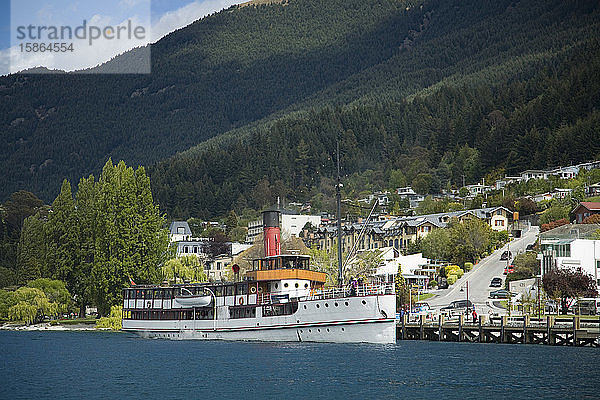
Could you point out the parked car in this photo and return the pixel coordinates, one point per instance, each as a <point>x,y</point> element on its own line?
<point>505,255</point>
<point>530,247</point>
<point>421,308</point>
<point>509,270</point>
<point>496,282</point>
<point>551,306</point>
<point>585,306</point>
<point>500,294</point>
<point>458,306</point>
<point>443,283</point>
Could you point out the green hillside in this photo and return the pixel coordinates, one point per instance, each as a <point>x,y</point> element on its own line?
<point>432,90</point>
<point>481,87</point>
<point>223,72</point>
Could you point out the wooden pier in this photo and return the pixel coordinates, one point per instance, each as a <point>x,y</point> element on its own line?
<point>552,330</point>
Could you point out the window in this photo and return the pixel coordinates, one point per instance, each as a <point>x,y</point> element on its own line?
<point>563,250</point>
<point>499,222</point>
<point>185,249</point>
<point>180,230</point>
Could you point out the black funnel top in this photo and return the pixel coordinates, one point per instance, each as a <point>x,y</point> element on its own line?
<point>271,219</point>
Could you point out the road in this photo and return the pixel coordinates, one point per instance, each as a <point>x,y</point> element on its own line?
<point>478,279</point>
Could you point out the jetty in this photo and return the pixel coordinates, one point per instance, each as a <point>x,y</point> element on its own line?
<point>551,330</point>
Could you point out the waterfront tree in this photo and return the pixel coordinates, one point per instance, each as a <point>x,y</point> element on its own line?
<point>569,283</point>
<point>131,242</point>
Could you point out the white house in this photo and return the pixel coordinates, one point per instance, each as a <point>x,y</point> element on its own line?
<point>179,230</point>
<point>534,174</point>
<point>478,189</point>
<point>290,222</point>
<point>392,260</point>
<point>571,246</point>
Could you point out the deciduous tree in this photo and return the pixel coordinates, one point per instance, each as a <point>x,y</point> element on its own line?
<point>568,283</point>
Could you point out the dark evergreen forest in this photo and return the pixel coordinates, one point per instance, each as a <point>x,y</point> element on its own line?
<point>430,91</point>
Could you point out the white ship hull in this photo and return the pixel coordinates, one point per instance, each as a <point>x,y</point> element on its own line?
<point>362,319</point>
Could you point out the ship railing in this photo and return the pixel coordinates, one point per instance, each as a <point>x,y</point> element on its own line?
<point>361,290</point>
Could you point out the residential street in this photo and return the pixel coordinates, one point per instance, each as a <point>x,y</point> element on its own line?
<point>479,278</point>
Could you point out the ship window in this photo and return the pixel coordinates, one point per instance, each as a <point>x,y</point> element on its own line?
<point>276,286</point>
<point>168,293</point>
<point>306,286</point>
<point>326,305</point>
<point>229,290</point>
<point>318,305</point>
<point>335,304</point>
<point>346,303</point>
<point>218,291</point>
<point>285,285</point>
<point>241,288</point>
<point>296,285</point>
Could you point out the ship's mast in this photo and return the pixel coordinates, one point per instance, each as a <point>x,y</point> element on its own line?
<point>339,218</point>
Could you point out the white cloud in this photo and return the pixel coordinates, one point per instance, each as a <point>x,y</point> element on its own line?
<point>13,59</point>
<point>185,15</point>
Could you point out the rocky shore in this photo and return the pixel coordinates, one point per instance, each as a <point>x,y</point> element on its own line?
<point>45,326</point>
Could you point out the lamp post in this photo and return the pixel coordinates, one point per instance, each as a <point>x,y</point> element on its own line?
<point>462,288</point>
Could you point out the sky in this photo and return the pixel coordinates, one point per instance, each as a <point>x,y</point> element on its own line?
<point>158,17</point>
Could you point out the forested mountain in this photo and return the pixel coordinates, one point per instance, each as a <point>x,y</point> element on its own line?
<point>432,90</point>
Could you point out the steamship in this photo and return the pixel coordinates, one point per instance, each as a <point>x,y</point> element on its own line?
<point>280,299</point>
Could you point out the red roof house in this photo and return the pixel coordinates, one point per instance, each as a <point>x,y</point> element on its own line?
<point>584,210</point>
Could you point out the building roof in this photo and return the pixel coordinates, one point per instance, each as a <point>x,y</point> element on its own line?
<point>571,231</point>
<point>592,206</point>
<point>179,224</point>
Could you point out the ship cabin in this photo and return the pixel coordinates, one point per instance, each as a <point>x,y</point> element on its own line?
<point>275,284</point>
<point>284,276</point>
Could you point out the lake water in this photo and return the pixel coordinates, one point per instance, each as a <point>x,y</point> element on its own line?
<point>102,365</point>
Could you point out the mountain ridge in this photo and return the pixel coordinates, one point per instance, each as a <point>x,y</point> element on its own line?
<point>383,70</point>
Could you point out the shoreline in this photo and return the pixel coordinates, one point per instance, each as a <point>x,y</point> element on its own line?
<point>45,326</point>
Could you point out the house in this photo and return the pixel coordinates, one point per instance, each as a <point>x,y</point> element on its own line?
<point>589,165</point>
<point>408,193</point>
<point>571,246</point>
<point>405,191</point>
<point>565,172</point>
<point>584,210</point>
<point>291,225</point>
<point>593,190</point>
<point>400,232</point>
<point>533,174</point>
<point>411,266</point>
<point>478,189</point>
<point>561,193</point>
<point>179,230</point>
<point>544,196</point>
<point>217,269</point>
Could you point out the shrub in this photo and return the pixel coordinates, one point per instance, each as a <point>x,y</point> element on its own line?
<point>468,266</point>
<point>113,321</point>
<point>452,278</point>
<point>459,273</point>
<point>432,283</point>
<point>452,269</point>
